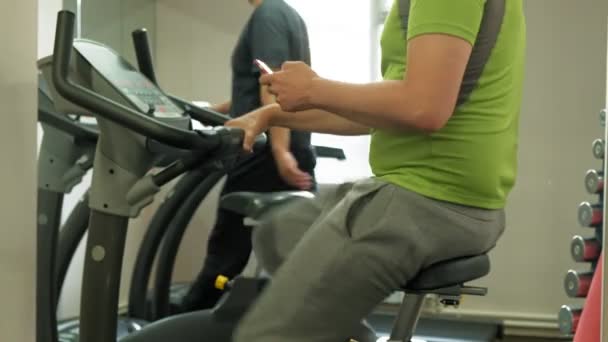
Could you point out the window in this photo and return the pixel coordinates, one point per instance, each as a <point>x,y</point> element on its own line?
<point>344,45</point>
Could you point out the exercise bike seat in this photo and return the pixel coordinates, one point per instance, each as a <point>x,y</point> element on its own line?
<point>254,204</point>
<point>449,274</point>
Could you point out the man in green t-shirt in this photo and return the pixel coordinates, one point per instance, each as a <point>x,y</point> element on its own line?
<point>444,126</point>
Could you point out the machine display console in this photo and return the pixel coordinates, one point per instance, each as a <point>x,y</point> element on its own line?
<point>136,88</point>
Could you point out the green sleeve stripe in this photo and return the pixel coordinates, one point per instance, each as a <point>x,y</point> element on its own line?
<point>460,18</point>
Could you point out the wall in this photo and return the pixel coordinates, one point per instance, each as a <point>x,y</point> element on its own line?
<point>112,22</point>
<point>17,174</point>
<point>194,45</point>
<point>47,18</point>
<point>564,92</point>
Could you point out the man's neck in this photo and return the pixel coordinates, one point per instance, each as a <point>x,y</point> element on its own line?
<point>256,3</point>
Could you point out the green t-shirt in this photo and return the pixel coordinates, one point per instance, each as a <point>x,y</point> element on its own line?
<point>473,159</point>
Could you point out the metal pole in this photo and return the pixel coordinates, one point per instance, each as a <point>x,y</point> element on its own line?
<point>407,318</point>
<point>101,277</point>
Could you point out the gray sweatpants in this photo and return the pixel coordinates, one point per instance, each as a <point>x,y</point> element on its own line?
<point>336,257</point>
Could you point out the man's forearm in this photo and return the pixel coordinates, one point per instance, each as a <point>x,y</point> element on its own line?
<point>223,108</point>
<point>280,139</point>
<point>386,105</point>
<point>317,121</point>
<point>424,100</point>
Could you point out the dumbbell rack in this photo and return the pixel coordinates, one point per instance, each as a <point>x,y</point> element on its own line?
<point>586,250</point>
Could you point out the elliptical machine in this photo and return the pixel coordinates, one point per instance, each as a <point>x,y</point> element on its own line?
<point>66,154</point>
<point>83,137</point>
<point>137,123</point>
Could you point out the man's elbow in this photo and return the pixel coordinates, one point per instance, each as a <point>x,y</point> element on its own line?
<point>431,122</point>
<point>427,112</point>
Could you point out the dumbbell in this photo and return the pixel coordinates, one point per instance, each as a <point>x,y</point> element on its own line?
<point>590,215</point>
<point>594,182</point>
<point>585,250</point>
<point>577,284</point>
<point>599,147</point>
<point>568,319</point>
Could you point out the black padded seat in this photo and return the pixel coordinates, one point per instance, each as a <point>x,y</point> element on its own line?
<point>450,273</point>
<point>254,204</point>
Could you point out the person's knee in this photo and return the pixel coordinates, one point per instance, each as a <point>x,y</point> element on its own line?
<point>245,330</point>
<point>280,229</point>
<point>241,334</point>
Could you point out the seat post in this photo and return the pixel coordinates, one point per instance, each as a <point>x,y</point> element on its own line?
<point>407,318</point>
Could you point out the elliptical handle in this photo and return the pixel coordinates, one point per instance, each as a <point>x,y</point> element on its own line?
<point>143,53</point>
<point>206,116</point>
<point>108,109</point>
<point>62,123</point>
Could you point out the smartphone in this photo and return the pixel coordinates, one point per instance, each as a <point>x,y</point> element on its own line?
<point>265,69</point>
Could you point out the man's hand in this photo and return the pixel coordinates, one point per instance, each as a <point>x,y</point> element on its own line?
<point>253,124</point>
<point>292,86</point>
<point>223,108</point>
<point>290,172</point>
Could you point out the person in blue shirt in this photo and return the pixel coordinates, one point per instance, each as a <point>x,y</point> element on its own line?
<point>275,33</point>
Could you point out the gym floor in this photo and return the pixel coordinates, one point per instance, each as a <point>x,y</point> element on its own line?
<point>435,330</point>
<point>529,339</point>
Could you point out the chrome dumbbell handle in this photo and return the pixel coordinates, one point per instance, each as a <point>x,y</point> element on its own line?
<point>585,249</point>
<point>590,215</point>
<point>568,319</point>
<point>577,283</point>
<point>599,148</point>
<point>594,182</point>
